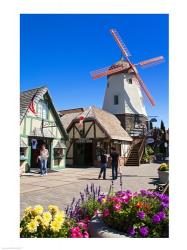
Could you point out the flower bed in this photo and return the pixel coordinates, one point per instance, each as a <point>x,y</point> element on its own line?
<point>50,224</point>
<point>143,214</point>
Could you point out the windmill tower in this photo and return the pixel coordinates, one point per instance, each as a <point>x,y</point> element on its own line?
<point>123,95</point>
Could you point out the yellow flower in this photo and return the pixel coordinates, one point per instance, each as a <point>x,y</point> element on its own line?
<point>47,216</point>
<point>55,226</point>
<point>53,209</point>
<point>27,210</point>
<point>39,219</point>
<point>103,200</point>
<point>60,217</point>
<point>32,226</point>
<point>38,209</point>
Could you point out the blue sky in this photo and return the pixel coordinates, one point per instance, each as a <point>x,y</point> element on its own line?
<point>60,51</point>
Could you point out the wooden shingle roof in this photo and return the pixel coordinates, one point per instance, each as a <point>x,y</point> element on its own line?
<point>26,98</point>
<point>107,121</point>
<point>37,94</point>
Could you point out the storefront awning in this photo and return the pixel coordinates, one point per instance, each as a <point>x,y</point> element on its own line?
<point>23,144</point>
<point>38,132</point>
<point>60,145</point>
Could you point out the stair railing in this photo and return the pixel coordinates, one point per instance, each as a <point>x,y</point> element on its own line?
<point>141,149</point>
<point>129,150</point>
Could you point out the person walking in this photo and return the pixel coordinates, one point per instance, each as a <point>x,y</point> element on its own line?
<point>43,157</point>
<point>115,161</point>
<point>103,165</point>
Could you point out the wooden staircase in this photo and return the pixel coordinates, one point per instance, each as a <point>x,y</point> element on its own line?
<point>136,152</point>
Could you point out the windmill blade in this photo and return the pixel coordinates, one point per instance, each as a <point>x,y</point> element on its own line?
<point>107,71</point>
<point>151,62</point>
<point>120,43</point>
<point>143,86</point>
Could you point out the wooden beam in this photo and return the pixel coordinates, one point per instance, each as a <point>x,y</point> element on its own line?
<point>71,143</point>
<point>88,129</point>
<point>78,131</point>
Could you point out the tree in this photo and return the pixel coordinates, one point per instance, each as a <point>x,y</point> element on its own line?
<point>163,131</point>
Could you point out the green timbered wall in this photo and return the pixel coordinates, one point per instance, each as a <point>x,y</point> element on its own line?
<point>30,122</point>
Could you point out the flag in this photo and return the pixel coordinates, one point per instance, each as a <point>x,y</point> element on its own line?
<point>81,119</point>
<point>32,108</point>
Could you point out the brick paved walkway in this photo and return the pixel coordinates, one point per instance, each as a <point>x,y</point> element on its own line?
<point>59,188</point>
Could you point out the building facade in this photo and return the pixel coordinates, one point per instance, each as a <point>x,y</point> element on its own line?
<point>91,131</point>
<point>40,124</point>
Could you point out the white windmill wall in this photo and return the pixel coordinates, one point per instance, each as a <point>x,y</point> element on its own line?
<point>129,96</point>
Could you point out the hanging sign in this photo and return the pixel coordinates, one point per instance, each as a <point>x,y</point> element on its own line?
<point>150,140</point>
<point>84,140</point>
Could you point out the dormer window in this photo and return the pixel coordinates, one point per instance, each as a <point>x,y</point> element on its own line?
<point>42,110</point>
<point>116,99</point>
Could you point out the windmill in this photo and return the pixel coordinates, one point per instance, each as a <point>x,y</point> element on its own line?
<point>123,96</point>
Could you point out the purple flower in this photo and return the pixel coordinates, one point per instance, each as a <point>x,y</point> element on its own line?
<point>164,205</point>
<point>141,215</point>
<point>101,198</point>
<point>162,215</point>
<point>144,231</point>
<point>156,219</point>
<point>143,192</point>
<point>131,231</point>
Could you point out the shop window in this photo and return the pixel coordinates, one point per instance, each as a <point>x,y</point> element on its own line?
<point>42,110</point>
<point>23,153</point>
<point>59,153</point>
<point>116,100</point>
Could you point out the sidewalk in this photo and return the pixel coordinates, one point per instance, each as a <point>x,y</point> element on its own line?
<point>59,188</point>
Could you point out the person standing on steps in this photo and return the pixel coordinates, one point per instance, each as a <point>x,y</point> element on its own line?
<point>103,165</point>
<point>43,157</point>
<point>115,161</point>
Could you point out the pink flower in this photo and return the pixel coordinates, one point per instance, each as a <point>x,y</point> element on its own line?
<point>117,207</point>
<point>79,235</point>
<point>106,212</point>
<point>74,235</point>
<point>117,199</point>
<point>75,230</point>
<point>86,235</point>
<point>126,199</point>
<point>82,225</point>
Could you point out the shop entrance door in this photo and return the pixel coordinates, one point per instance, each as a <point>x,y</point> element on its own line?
<point>35,151</point>
<point>83,154</point>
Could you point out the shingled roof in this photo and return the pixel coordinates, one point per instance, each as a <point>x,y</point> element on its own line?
<point>36,94</point>
<point>27,96</point>
<point>107,121</point>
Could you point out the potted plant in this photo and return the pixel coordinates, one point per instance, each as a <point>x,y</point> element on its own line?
<point>148,154</point>
<point>163,173</point>
<point>127,214</point>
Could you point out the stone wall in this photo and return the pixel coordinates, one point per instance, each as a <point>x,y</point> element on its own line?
<point>128,121</point>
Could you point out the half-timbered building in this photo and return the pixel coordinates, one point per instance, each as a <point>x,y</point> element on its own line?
<point>40,124</point>
<point>91,130</point>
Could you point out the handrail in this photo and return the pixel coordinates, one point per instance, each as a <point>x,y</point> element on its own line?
<point>140,151</point>
<point>129,150</point>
